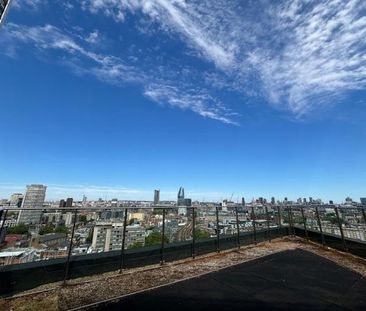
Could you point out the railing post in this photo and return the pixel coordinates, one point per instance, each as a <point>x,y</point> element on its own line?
<point>70,248</point>
<point>237,228</point>
<point>122,255</point>
<point>162,240</point>
<point>304,220</point>
<point>217,230</point>
<point>254,226</point>
<point>341,229</point>
<point>193,233</point>
<point>279,220</point>
<point>291,221</point>
<point>319,224</point>
<point>364,215</point>
<point>268,227</point>
<point>3,223</point>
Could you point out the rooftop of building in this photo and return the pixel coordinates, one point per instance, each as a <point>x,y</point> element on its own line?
<point>285,273</point>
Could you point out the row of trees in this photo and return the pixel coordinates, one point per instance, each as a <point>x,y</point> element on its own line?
<point>23,229</point>
<point>18,229</point>
<point>50,229</point>
<point>154,238</point>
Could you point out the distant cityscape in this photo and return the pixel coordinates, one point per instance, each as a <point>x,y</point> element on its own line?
<point>34,229</point>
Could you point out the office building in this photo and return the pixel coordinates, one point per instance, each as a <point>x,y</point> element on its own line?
<point>33,198</point>
<point>108,236</point>
<point>69,202</point>
<point>114,203</point>
<point>188,202</point>
<point>243,201</point>
<point>16,199</point>
<point>156,197</point>
<point>180,199</point>
<point>183,202</point>
<point>363,201</point>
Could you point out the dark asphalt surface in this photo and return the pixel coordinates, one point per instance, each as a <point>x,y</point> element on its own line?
<point>295,279</point>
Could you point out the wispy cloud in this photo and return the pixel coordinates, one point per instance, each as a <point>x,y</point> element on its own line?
<point>114,70</point>
<point>298,55</point>
<point>27,4</point>
<point>323,53</point>
<point>188,19</point>
<point>197,101</point>
<point>304,53</point>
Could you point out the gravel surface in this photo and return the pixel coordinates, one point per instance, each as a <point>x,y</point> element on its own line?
<point>83,291</point>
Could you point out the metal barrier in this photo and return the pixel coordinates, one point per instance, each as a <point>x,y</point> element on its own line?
<point>171,237</point>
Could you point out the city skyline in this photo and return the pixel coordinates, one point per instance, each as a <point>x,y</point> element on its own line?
<point>118,98</point>
<point>94,193</point>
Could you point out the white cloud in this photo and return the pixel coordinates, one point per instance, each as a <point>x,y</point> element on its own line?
<point>323,54</point>
<point>114,70</point>
<point>93,37</point>
<point>27,4</point>
<point>299,55</point>
<point>304,53</point>
<point>179,16</point>
<point>197,101</point>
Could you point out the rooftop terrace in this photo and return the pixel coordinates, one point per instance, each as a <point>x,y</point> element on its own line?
<point>285,273</point>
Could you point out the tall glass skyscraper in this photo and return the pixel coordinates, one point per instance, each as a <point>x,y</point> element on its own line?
<point>180,199</point>
<point>156,197</point>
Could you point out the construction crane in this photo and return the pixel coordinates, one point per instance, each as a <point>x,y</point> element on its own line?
<point>4,8</point>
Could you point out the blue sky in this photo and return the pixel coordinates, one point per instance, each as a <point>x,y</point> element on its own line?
<point>115,98</point>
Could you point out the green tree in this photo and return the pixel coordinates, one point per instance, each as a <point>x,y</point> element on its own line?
<point>46,229</point>
<point>155,238</point>
<point>62,229</point>
<point>19,229</point>
<point>136,245</point>
<point>201,234</point>
<point>82,219</point>
<point>89,239</point>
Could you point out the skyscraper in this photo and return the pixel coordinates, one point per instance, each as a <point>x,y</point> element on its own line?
<point>156,197</point>
<point>363,201</point>
<point>84,200</point>
<point>33,198</point>
<point>180,199</point>
<point>69,202</point>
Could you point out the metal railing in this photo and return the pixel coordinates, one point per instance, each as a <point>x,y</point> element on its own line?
<point>200,231</point>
